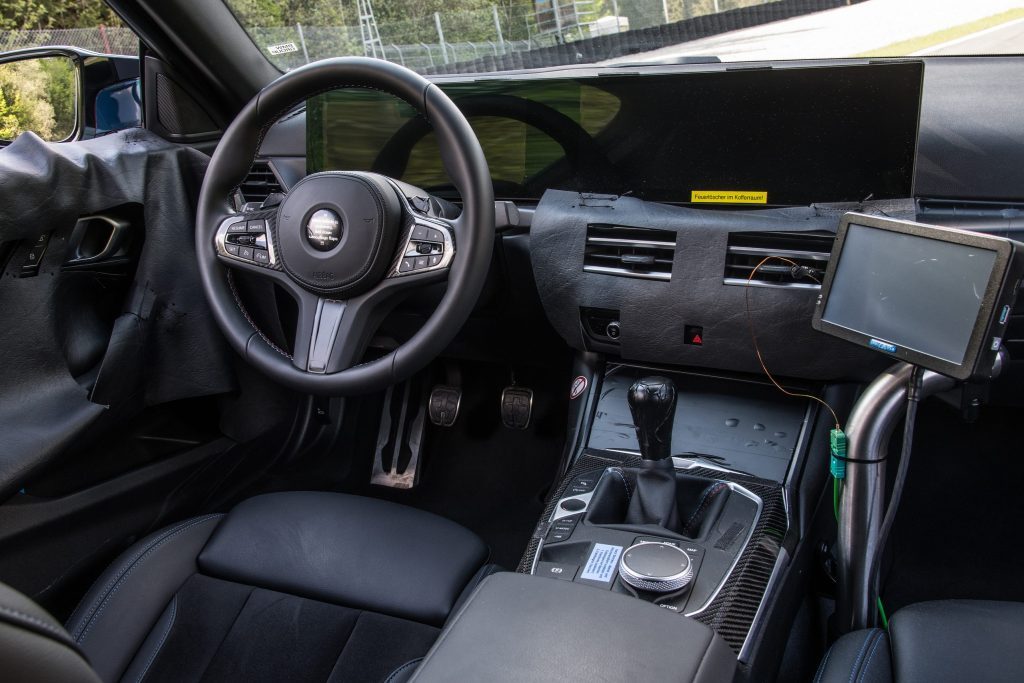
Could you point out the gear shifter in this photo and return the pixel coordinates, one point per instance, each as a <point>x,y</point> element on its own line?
<point>652,401</point>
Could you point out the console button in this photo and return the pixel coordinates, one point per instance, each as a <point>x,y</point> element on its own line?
<point>261,256</point>
<point>572,504</point>
<point>231,248</point>
<point>584,483</point>
<point>245,252</point>
<point>557,570</point>
<point>256,226</point>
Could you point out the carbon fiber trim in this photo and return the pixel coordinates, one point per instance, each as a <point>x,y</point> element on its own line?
<point>731,614</point>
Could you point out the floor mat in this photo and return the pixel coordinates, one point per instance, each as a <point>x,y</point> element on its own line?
<point>491,479</point>
<point>956,534</point>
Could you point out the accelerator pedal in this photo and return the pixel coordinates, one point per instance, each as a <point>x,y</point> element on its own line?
<point>516,407</point>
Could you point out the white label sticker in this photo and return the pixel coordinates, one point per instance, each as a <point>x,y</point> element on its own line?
<point>604,559</point>
<point>282,48</point>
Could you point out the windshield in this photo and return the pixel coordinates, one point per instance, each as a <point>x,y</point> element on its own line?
<point>479,36</point>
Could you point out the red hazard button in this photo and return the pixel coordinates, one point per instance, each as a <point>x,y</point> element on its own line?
<point>694,335</point>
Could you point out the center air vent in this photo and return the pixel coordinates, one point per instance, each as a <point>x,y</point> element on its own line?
<point>260,183</point>
<point>747,249</point>
<point>630,252</point>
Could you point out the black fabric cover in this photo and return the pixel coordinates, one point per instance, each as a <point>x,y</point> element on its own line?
<point>223,631</point>
<point>695,295</point>
<point>517,627</point>
<point>934,642</point>
<point>45,188</point>
<point>356,551</point>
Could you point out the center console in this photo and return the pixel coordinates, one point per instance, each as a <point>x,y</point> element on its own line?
<point>654,506</point>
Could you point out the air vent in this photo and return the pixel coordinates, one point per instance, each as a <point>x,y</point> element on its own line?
<point>630,252</point>
<point>747,249</point>
<point>260,183</point>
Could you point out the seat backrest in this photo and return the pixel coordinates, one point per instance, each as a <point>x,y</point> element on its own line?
<point>34,647</point>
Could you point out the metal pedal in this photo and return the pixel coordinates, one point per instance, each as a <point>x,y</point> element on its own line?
<point>516,407</point>
<point>400,438</point>
<point>444,405</point>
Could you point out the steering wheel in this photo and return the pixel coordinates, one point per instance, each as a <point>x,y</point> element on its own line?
<point>346,245</point>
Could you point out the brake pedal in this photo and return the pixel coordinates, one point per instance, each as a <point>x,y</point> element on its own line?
<point>444,405</point>
<point>516,407</point>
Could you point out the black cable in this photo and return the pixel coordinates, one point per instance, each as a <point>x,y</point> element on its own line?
<point>913,399</point>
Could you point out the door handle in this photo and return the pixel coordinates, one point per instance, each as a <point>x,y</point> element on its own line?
<point>95,239</point>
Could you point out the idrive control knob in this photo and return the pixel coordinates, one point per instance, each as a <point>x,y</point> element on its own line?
<point>656,567</point>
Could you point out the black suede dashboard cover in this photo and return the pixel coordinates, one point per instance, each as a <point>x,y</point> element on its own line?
<point>653,314</point>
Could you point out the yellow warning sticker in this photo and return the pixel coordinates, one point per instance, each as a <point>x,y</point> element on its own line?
<point>728,197</point>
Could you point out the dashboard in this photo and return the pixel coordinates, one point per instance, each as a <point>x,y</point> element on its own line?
<point>667,185</point>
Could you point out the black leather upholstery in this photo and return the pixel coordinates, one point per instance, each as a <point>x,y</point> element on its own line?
<point>359,552</point>
<point>34,646</point>
<point>516,627</point>
<point>287,586</point>
<point>948,640</point>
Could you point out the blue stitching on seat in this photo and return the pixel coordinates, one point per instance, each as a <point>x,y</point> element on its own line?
<point>163,639</point>
<point>411,662</point>
<point>856,664</point>
<point>822,666</point>
<point>871,654</point>
<point>115,583</point>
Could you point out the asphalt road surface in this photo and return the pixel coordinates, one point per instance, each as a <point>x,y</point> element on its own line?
<point>1004,39</point>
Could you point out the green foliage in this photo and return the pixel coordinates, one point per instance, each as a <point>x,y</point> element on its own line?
<point>50,14</point>
<point>38,95</point>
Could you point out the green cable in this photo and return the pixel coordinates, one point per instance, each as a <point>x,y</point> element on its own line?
<point>881,613</point>
<point>835,497</point>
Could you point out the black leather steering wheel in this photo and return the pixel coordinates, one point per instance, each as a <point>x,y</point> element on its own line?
<point>346,245</point>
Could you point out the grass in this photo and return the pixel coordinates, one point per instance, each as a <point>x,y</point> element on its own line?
<point>913,45</point>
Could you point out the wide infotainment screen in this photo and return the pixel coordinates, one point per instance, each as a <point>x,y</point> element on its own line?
<point>936,297</point>
<point>791,136</point>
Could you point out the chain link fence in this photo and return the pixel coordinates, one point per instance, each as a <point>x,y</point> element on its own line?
<point>431,43</point>
<point>104,39</point>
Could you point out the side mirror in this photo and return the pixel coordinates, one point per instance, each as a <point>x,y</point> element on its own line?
<point>40,91</point>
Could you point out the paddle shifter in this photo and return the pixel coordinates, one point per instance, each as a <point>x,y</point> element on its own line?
<point>652,401</point>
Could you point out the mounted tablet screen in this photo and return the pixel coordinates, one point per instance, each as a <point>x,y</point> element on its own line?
<point>920,293</point>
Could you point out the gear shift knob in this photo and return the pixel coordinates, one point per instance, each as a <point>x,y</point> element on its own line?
<point>652,401</point>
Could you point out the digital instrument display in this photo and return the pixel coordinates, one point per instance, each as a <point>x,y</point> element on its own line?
<point>921,293</point>
<point>792,136</point>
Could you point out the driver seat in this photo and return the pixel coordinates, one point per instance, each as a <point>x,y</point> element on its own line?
<point>299,586</point>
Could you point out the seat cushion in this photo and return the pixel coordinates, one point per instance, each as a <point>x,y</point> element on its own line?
<point>348,550</point>
<point>946,640</point>
<point>287,586</point>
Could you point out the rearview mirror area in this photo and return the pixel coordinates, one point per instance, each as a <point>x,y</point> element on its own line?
<point>39,94</point>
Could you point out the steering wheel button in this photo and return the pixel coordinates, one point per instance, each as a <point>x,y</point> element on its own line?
<point>434,260</point>
<point>237,227</point>
<point>419,232</point>
<point>422,262</point>
<point>245,252</point>
<point>256,226</point>
<point>434,235</point>
<point>261,256</point>
<point>231,248</point>
<point>407,265</point>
